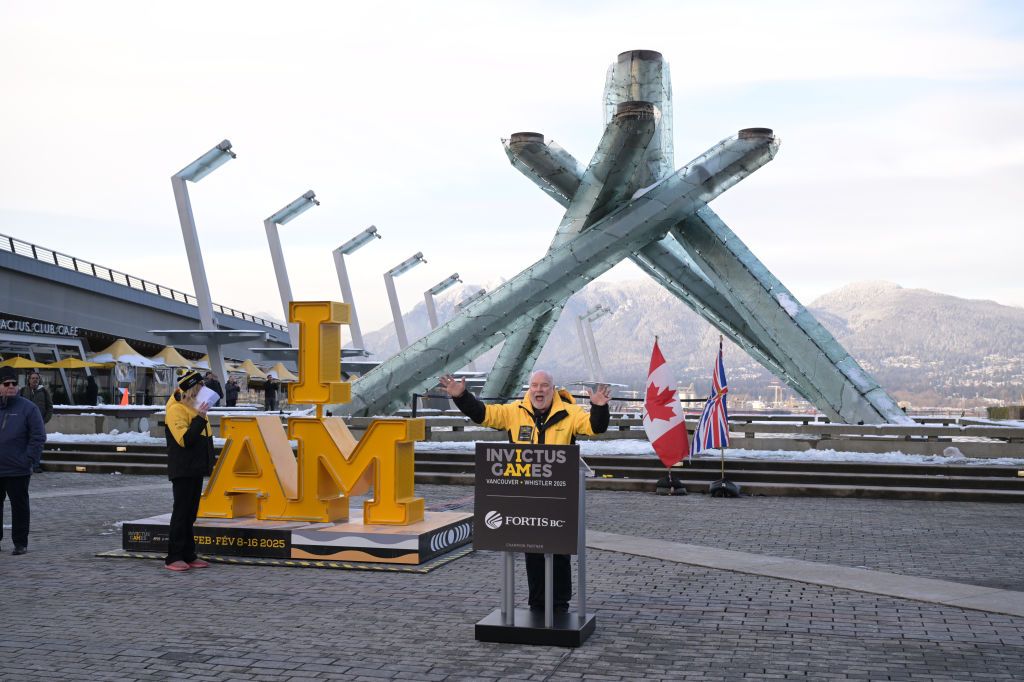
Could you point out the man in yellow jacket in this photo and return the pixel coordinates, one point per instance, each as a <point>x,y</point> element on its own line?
<point>544,415</point>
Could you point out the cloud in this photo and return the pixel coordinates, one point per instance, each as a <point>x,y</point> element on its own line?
<point>393,115</point>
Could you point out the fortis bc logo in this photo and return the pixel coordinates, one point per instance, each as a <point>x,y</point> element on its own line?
<point>493,520</point>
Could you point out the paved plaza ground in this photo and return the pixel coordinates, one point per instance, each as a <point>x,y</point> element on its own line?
<point>67,614</point>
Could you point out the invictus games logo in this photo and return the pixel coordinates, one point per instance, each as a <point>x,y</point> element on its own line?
<point>524,463</point>
<point>493,520</point>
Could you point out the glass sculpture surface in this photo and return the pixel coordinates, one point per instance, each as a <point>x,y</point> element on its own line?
<point>630,202</point>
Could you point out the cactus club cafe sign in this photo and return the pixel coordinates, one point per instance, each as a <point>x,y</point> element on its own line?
<point>29,326</point>
<point>258,475</point>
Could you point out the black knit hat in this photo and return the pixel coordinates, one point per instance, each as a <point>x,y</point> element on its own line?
<point>188,379</point>
<point>7,373</point>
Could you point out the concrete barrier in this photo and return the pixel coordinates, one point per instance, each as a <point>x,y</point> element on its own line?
<point>77,424</point>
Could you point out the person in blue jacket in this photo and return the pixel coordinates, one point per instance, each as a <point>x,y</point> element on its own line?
<point>22,435</point>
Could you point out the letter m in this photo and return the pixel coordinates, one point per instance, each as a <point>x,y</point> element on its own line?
<point>333,467</point>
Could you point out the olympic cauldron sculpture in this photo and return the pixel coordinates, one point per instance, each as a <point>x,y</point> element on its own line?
<point>630,202</point>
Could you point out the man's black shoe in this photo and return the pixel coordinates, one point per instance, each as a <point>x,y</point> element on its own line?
<point>19,549</point>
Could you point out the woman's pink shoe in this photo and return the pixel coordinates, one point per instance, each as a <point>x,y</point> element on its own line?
<point>177,566</point>
<point>198,563</point>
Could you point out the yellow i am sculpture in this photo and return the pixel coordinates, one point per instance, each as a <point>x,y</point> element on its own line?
<point>258,475</point>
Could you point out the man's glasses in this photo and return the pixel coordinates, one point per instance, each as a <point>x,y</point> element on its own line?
<point>10,383</point>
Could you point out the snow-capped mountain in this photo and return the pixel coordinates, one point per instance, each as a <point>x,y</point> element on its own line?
<point>922,346</point>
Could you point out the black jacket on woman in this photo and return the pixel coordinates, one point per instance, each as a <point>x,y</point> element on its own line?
<point>189,442</point>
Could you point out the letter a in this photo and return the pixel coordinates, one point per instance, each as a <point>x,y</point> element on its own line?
<point>255,473</point>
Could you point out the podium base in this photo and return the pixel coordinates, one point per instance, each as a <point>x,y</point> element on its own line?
<point>528,628</point>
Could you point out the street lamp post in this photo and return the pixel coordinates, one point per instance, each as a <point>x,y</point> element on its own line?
<point>593,343</point>
<point>286,214</point>
<point>429,294</point>
<point>360,240</point>
<point>585,346</point>
<point>194,172</point>
<point>585,329</point>
<point>389,283</point>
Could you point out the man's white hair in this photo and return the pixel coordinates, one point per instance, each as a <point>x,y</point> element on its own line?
<point>549,375</point>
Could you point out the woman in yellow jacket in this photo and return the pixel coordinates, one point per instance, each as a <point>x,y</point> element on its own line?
<point>544,415</point>
<point>189,459</point>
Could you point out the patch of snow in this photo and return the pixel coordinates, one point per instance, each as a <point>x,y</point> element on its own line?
<point>596,448</point>
<point>624,447</point>
<point>788,303</point>
<point>644,190</point>
<point>125,438</point>
<point>62,408</point>
<point>997,422</point>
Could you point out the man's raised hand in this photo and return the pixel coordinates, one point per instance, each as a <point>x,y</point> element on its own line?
<point>452,386</point>
<point>601,395</point>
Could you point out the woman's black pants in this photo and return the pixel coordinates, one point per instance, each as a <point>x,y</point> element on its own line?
<point>182,542</point>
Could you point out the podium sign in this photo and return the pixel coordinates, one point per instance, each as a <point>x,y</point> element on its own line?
<point>527,498</point>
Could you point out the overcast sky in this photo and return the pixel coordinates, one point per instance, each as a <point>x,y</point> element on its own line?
<point>902,128</point>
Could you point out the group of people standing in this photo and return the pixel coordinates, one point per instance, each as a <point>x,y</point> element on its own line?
<point>229,392</point>
<point>544,415</point>
<point>24,413</point>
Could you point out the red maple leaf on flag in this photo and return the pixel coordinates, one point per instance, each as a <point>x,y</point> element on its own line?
<point>665,427</point>
<point>658,402</point>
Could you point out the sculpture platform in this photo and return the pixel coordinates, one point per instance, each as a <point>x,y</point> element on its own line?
<point>437,534</point>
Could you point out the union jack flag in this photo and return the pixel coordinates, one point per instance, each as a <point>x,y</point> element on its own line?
<point>713,428</point>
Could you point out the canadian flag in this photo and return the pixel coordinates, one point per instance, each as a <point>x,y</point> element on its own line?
<point>663,415</point>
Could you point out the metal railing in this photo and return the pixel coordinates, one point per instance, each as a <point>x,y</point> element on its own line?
<point>44,255</point>
<point>416,397</point>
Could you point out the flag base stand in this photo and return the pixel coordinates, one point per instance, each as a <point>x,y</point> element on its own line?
<point>723,487</point>
<point>667,485</point>
<point>568,629</point>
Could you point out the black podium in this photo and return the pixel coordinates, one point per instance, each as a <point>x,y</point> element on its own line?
<point>531,498</point>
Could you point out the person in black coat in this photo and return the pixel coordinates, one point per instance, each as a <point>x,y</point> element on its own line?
<point>270,393</point>
<point>231,390</point>
<point>37,393</point>
<point>189,459</point>
<point>214,385</point>
<point>92,391</point>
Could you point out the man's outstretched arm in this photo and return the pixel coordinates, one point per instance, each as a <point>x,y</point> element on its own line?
<point>463,399</point>
<point>600,414</point>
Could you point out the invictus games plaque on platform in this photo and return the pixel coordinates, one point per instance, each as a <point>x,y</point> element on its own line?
<point>527,498</point>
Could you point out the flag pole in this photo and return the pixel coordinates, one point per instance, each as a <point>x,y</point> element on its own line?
<point>715,420</point>
<point>722,448</point>
<point>666,397</point>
